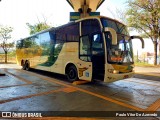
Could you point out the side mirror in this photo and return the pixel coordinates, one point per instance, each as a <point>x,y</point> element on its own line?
<point>138,37</point>
<point>113,33</point>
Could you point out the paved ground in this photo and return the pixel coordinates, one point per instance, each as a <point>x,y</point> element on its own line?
<point>148,73</point>
<point>151,70</point>
<point>51,94</point>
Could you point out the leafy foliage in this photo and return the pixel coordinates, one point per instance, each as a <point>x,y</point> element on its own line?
<point>37,27</point>
<point>5,35</point>
<point>144,16</point>
<point>118,14</point>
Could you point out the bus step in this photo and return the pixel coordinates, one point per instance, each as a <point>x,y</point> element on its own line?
<point>99,77</point>
<point>80,82</point>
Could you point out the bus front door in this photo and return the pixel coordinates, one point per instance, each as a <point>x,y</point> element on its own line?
<point>85,65</point>
<point>98,56</point>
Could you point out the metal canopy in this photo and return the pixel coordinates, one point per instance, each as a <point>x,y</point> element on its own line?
<point>93,5</point>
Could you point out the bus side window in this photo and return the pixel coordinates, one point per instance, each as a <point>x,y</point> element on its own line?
<point>27,43</point>
<point>72,33</point>
<point>19,44</point>
<point>45,43</point>
<point>37,40</point>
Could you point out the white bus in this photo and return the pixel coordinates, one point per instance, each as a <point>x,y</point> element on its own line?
<point>90,48</point>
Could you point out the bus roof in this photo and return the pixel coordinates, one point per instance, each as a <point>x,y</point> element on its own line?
<point>70,23</point>
<point>98,17</point>
<point>49,29</point>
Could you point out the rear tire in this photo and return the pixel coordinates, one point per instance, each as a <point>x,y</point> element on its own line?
<point>23,66</point>
<point>27,66</point>
<point>72,74</point>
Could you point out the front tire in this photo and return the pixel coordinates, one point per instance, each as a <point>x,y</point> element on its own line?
<point>72,74</point>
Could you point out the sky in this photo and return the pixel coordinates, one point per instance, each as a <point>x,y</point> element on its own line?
<point>16,13</point>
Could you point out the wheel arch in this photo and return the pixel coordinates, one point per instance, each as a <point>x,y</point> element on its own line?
<point>67,69</point>
<point>27,63</point>
<point>22,62</point>
<point>68,65</point>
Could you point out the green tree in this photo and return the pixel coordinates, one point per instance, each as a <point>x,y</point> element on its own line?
<point>144,16</point>
<point>119,14</point>
<point>37,27</point>
<point>5,35</point>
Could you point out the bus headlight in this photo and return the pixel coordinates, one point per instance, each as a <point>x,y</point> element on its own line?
<point>113,71</point>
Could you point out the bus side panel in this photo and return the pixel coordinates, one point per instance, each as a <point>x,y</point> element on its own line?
<point>85,70</point>
<point>59,65</point>
<point>69,55</point>
<point>19,56</point>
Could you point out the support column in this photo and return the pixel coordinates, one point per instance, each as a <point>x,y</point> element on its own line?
<point>84,11</point>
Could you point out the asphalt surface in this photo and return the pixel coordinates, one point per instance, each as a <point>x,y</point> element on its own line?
<point>148,73</point>
<point>56,98</point>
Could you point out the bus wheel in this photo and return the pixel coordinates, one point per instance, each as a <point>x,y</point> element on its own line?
<point>72,73</point>
<point>23,66</point>
<point>27,66</point>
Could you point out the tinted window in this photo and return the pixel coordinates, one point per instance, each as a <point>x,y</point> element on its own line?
<point>73,32</point>
<point>118,27</point>
<point>52,37</point>
<point>109,23</point>
<point>27,43</point>
<point>60,37</point>
<point>45,43</point>
<point>19,44</point>
<point>90,26</point>
<point>37,40</point>
<point>68,33</point>
<point>45,37</point>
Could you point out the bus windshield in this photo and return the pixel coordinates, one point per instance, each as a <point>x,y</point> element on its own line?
<point>118,27</point>
<point>122,52</point>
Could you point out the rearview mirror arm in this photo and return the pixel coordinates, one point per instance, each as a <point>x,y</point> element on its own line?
<point>134,37</point>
